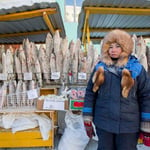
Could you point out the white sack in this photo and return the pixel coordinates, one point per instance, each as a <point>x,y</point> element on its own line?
<point>74,136</point>
<point>24,122</point>
<point>18,122</point>
<point>45,125</point>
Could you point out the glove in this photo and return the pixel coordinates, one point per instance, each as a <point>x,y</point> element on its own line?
<point>89,128</point>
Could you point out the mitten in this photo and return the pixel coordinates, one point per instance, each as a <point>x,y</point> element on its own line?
<point>89,128</point>
<point>145,128</point>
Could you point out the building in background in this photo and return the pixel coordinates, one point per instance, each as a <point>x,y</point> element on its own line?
<point>70,10</point>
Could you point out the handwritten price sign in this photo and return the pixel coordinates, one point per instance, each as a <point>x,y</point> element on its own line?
<point>55,75</point>
<point>82,76</point>
<point>3,76</point>
<point>27,76</point>
<point>32,94</point>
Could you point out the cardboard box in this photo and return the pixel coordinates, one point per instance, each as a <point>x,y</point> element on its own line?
<point>39,104</point>
<point>52,105</point>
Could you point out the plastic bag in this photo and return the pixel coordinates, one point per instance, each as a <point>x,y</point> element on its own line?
<point>23,122</point>
<point>74,136</point>
<point>95,137</point>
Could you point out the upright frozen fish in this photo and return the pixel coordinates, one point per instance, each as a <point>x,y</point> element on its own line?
<point>19,93</point>
<point>57,51</point>
<point>10,63</point>
<point>12,89</point>
<point>49,45</point>
<point>53,63</point>
<point>24,94</point>
<point>43,59</point>
<point>4,70</point>
<point>18,68</point>
<point>22,58</point>
<point>141,52</point>
<point>90,57</point>
<point>38,72</point>
<point>75,59</point>
<point>4,93</point>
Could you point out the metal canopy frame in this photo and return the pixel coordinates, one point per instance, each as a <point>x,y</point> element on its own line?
<point>31,14</point>
<point>110,10</point>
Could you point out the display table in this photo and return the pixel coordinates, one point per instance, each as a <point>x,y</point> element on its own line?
<point>27,138</point>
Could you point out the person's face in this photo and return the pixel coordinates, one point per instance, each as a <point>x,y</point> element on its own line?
<point>114,50</point>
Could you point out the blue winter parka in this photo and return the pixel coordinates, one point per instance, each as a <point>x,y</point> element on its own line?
<point>111,111</point>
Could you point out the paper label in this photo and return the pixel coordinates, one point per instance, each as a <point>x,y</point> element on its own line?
<point>27,76</point>
<point>32,94</point>
<point>53,104</point>
<point>55,75</point>
<point>3,76</point>
<point>82,76</point>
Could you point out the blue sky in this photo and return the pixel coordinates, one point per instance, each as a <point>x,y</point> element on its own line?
<point>70,2</point>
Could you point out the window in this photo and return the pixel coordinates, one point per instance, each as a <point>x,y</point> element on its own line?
<point>72,10</point>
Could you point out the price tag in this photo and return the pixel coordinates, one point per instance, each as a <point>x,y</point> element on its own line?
<point>55,75</point>
<point>3,76</point>
<point>27,76</point>
<point>53,104</point>
<point>32,94</point>
<point>82,76</point>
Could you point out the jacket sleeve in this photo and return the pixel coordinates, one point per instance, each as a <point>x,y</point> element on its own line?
<point>89,98</point>
<point>144,94</point>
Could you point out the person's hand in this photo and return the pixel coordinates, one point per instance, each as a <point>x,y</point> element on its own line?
<point>88,128</point>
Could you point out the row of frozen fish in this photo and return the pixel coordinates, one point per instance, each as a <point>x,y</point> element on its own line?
<point>56,57</point>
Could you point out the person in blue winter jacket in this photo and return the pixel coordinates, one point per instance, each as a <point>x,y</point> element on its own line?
<point>117,95</point>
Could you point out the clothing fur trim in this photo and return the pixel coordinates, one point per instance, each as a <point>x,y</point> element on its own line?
<point>98,78</point>
<point>124,40</point>
<point>126,82</point>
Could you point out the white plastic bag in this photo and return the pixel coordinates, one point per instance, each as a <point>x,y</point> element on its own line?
<point>95,137</point>
<point>74,137</point>
<point>45,125</point>
<point>23,122</point>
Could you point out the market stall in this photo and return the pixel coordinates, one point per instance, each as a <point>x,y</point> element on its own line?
<point>27,22</point>
<point>97,17</point>
<point>29,19</point>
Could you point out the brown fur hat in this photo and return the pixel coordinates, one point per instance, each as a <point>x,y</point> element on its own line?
<point>124,40</point>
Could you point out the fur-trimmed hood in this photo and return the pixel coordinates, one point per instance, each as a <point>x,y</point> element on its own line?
<point>124,40</point>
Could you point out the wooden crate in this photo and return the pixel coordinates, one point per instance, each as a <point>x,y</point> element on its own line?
<point>46,91</point>
<point>27,138</point>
